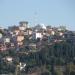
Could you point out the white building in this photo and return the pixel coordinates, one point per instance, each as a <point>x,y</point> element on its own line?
<point>43,26</point>
<point>7,40</point>
<point>37,35</point>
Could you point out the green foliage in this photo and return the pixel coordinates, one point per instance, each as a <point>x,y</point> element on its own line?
<point>45,73</point>
<point>57,54</point>
<point>48,67</point>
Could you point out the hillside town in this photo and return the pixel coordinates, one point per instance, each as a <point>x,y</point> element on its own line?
<point>21,43</point>
<point>15,36</point>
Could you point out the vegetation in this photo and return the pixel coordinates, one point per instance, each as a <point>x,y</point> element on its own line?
<point>55,59</point>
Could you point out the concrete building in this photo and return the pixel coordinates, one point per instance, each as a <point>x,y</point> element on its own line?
<point>23,25</point>
<point>37,35</point>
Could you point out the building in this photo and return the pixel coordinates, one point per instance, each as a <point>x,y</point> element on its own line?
<point>37,35</point>
<point>29,31</point>
<point>23,25</point>
<point>20,39</point>
<point>1,35</point>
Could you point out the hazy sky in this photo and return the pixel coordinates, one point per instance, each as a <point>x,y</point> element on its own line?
<point>51,12</point>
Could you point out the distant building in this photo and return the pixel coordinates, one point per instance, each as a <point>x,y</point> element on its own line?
<point>52,32</point>
<point>62,28</point>
<point>16,31</point>
<point>37,35</point>
<point>13,28</point>
<point>61,33</point>
<point>7,40</point>
<point>40,26</point>
<point>8,59</point>
<point>20,40</point>
<point>1,35</point>
<point>23,25</point>
<point>70,36</point>
<point>29,31</point>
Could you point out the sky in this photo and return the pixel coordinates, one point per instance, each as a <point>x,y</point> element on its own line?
<point>48,12</point>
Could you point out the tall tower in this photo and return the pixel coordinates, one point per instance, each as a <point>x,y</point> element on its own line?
<point>24,24</point>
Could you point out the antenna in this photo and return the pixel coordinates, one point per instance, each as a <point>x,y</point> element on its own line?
<point>35,18</point>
